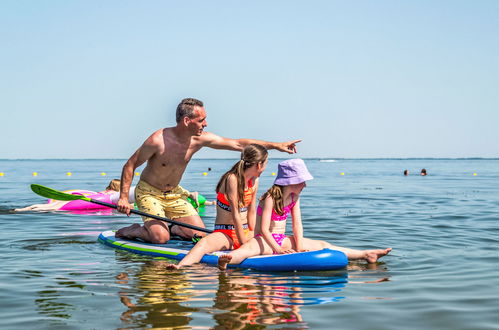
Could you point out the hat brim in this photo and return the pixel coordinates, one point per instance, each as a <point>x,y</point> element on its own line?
<point>294,180</point>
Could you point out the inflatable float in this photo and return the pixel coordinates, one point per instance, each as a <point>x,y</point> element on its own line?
<point>78,205</point>
<point>201,201</point>
<point>107,197</point>
<point>303,261</point>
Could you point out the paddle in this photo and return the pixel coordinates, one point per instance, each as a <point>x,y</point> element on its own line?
<point>61,196</point>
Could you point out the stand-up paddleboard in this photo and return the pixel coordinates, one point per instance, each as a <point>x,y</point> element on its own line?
<point>303,261</point>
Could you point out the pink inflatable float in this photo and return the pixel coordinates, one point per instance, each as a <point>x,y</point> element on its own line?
<point>82,205</point>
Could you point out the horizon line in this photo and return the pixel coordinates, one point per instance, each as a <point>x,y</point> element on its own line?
<point>310,158</point>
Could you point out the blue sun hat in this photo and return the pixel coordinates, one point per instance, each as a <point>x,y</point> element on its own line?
<point>292,171</point>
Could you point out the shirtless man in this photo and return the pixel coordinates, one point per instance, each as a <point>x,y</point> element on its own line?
<point>167,153</point>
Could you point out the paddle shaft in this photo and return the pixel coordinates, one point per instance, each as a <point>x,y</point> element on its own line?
<point>157,217</point>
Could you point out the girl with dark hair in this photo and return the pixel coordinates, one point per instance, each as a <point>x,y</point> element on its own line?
<point>236,206</point>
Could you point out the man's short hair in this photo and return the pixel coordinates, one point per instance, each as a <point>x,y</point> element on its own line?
<point>186,108</point>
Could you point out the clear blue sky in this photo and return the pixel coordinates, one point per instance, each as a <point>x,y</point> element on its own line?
<point>92,79</point>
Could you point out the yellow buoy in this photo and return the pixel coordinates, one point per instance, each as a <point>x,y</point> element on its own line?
<point>103,174</point>
<point>273,173</point>
<point>204,173</point>
<point>342,173</point>
<point>69,174</point>
<point>474,174</point>
<point>2,173</point>
<point>35,173</point>
<point>137,173</point>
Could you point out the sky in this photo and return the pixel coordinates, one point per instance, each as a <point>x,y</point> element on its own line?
<point>352,79</point>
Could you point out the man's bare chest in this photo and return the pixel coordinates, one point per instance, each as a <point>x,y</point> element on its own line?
<point>174,157</point>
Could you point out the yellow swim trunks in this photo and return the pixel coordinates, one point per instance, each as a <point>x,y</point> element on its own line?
<point>171,204</point>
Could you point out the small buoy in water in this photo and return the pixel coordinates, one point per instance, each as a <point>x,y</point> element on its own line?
<point>474,174</point>
<point>69,174</point>
<point>2,173</point>
<point>204,173</point>
<point>273,173</point>
<point>342,173</point>
<point>103,174</point>
<point>35,173</point>
<point>137,173</point>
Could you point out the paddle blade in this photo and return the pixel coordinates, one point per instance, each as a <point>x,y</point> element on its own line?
<point>55,194</point>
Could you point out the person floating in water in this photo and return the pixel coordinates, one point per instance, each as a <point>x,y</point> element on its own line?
<point>112,192</point>
<point>406,172</point>
<point>423,172</point>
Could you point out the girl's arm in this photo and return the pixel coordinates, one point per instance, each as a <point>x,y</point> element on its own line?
<point>252,208</point>
<point>265,225</point>
<point>233,199</point>
<point>297,226</point>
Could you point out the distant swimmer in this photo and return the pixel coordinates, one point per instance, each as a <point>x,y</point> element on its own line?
<point>423,172</point>
<point>406,172</point>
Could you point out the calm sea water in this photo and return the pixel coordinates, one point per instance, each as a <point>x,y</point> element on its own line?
<point>443,272</point>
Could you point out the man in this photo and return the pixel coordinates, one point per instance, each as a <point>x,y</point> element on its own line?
<point>167,153</point>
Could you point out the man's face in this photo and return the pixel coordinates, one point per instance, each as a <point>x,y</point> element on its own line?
<point>198,122</point>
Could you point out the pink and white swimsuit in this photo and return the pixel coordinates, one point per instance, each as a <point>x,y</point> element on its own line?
<point>279,238</point>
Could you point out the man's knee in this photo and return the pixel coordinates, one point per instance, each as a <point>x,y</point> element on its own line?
<point>158,234</point>
<point>159,238</point>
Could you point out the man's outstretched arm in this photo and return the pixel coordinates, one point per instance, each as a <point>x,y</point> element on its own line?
<point>217,142</point>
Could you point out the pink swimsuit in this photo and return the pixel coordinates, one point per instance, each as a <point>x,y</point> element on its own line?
<point>279,238</point>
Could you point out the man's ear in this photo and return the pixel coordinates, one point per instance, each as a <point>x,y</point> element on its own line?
<point>186,120</point>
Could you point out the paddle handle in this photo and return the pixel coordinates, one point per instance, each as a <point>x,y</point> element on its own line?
<point>182,224</point>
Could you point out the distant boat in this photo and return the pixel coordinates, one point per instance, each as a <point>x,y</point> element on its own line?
<point>327,160</point>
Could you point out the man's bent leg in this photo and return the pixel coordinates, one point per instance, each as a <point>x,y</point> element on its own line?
<point>153,231</point>
<point>157,232</point>
<point>133,232</point>
<point>188,233</point>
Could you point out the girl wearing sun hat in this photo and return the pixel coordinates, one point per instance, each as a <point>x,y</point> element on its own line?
<point>282,199</point>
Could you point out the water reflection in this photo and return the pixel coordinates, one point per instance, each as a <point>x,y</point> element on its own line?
<point>153,296</point>
<point>245,298</point>
<point>237,299</point>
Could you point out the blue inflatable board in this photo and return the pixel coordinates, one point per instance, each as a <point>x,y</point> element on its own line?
<point>303,261</point>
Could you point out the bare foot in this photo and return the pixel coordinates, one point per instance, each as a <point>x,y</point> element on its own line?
<point>373,255</point>
<point>127,232</point>
<point>223,260</point>
<point>172,266</point>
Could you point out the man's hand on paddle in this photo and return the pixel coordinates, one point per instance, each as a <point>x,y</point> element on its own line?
<point>289,147</point>
<point>124,206</point>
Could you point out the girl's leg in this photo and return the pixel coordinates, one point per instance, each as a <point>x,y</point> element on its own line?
<point>370,256</point>
<point>255,246</point>
<point>54,206</point>
<point>210,243</point>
